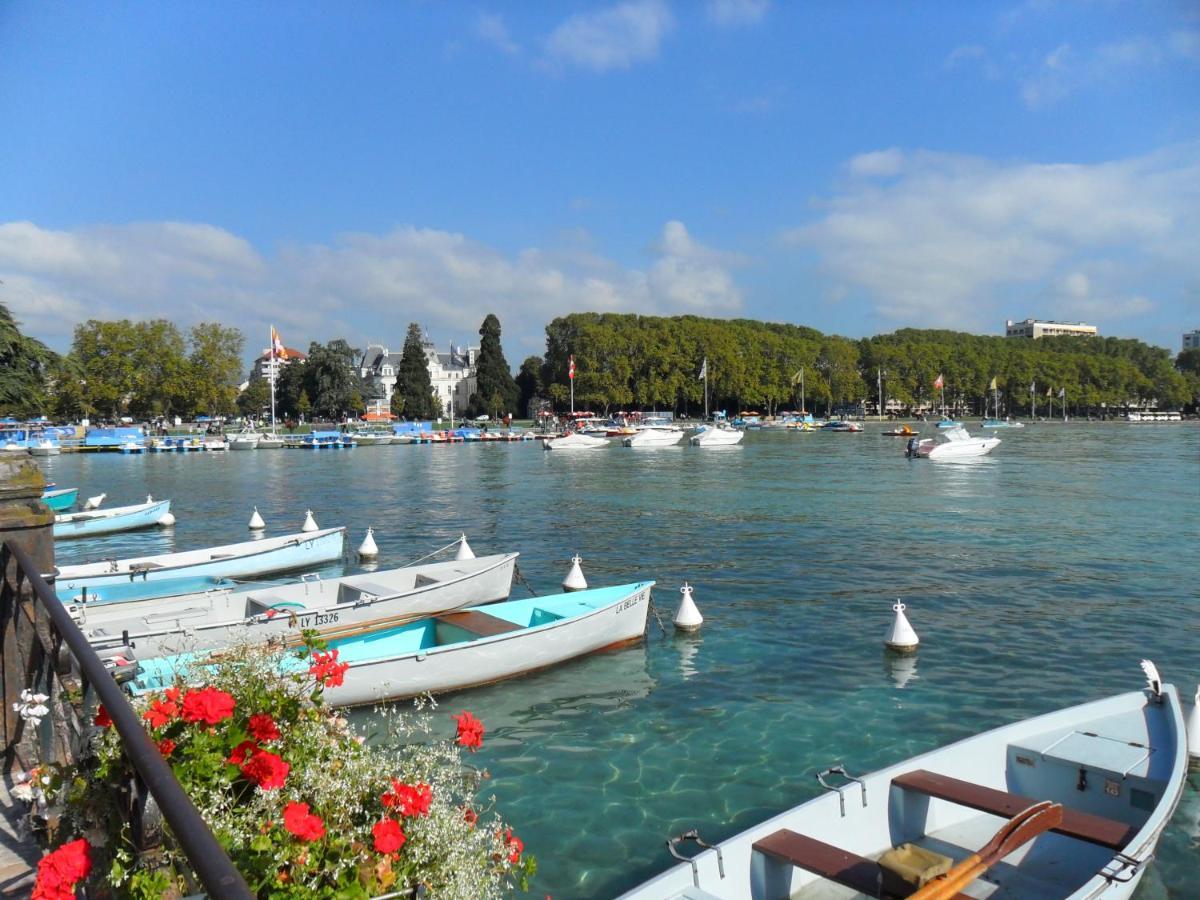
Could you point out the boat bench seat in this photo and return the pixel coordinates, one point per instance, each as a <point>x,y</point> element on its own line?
<point>830,862</point>
<point>479,623</point>
<point>1084,826</point>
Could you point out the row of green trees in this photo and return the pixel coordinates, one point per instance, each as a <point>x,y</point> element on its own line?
<point>646,362</point>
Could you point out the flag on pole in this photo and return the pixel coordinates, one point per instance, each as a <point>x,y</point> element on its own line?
<point>937,384</point>
<point>571,367</point>
<point>798,377</point>
<point>1062,392</point>
<point>1049,391</point>
<point>703,370</point>
<point>278,351</point>
<point>992,386</point>
<point>1032,387</point>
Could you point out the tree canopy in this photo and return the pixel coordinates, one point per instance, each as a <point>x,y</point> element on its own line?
<point>25,364</point>
<point>413,397</point>
<point>495,390</point>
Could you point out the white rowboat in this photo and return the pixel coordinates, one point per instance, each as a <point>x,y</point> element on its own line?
<point>109,521</point>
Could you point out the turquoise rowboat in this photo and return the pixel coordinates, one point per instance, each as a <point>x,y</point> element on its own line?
<point>1070,804</point>
<point>470,647</point>
<point>110,521</point>
<point>61,499</point>
<point>247,559</point>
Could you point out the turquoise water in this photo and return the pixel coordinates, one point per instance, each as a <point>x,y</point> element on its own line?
<point>1036,577</point>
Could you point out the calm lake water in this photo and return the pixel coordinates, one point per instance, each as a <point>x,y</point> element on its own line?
<point>1037,577</point>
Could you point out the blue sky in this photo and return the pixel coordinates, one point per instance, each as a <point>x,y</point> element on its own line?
<point>344,169</point>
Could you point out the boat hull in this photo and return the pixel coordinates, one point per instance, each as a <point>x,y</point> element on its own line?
<point>219,618</point>
<point>110,521</point>
<point>717,437</point>
<point>576,441</point>
<point>1040,758</point>
<point>62,499</point>
<point>281,554</point>
<point>654,437</point>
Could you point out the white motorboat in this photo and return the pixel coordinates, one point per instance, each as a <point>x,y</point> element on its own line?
<point>716,436</point>
<point>46,447</point>
<point>206,620</point>
<point>243,560</point>
<point>216,444</point>
<point>462,649</point>
<point>575,441</point>
<point>955,443</point>
<point>270,441</point>
<point>1069,804</point>
<point>654,436</point>
<point>246,439</point>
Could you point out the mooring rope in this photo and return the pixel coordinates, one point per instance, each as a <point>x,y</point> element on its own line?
<point>657,617</point>
<point>519,578</point>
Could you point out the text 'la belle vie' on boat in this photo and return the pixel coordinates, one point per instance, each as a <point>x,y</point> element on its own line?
<point>163,626</point>
<point>306,549</point>
<point>1070,804</point>
<point>462,649</point>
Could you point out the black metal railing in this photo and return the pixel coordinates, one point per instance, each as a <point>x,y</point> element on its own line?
<point>157,782</point>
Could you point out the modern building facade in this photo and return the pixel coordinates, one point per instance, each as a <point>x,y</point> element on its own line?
<point>1037,328</point>
<point>452,374</point>
<point>268,367</point>
<point>1191,340</point>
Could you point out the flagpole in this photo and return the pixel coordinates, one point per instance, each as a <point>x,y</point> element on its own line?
<point>274,365</point>
<point>803,408</point>
<point>1033,401</point>
<point>705,366</point>
<point>879,377</point>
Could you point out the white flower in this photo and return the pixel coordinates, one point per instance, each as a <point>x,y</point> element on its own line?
<point>32,707</point>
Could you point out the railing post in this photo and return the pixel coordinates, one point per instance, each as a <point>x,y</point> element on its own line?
<point>27,522</point>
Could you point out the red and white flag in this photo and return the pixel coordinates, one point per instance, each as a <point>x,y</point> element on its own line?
<point>937,385</point>
<point>571,367</point>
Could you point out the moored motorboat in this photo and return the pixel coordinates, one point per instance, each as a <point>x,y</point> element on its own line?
<point>576,441</point>
<point>45,447</point>
<point>844,427</point>
<point>1080,798</point>
<point>716,436</point>
<point>246,439</point>
<point>902,431</point>
<point>242,560</point>
<point>223,616</point>
<point>654,436</point>
<point>61,499</point>
<point>269,441</point>
<point>456,650</point>
<point>955,444</point>
<point>1002,423</point>
<point>112,520</point>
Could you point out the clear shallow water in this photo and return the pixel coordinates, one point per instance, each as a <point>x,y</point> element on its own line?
<point>1036,577</point>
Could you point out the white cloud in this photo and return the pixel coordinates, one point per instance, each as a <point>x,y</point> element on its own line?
<point>614,38</point>
<point>491,29</point>
<point>946,240</point>
<point>737,12</point>
<point>361,286</point>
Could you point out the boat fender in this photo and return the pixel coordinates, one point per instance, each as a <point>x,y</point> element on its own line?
<point>167,520</point>
<point>687,617</point>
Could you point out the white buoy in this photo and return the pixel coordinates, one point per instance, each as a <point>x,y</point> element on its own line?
<point>256,521</point>
<point>687,617</point>
<point>167,520</point>
<point>367,549</point>
<point>310,524</point>
<point>1193,728</point>
<point>149,498</point>
<point>94,502</point>
<point>901,638</point>
<point>464,549</point>
<point>575,580</point>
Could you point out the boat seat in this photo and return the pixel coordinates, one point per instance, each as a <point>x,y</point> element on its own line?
<point>830,862</point>
<point>479,623</point>
<point>1080,825</point>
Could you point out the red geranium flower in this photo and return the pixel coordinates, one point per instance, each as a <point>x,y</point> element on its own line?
<point>208,705</point>
<point>166,747</point>
<point>388,836</point>
<point>102,717</point>
<point>515,846</point>
<point>470,731</point>
<point>160,713</point>
<point>263,728</point>
<point>327,670</point>
<point>242,752</point>
<point>470,816</point>
<point>266,770</point>
<point>413,800</point>
<point>60,871</point>
<point>301,823</point>
<point>173,694</point>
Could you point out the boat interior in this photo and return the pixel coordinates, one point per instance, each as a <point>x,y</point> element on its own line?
<point>1107,776</point>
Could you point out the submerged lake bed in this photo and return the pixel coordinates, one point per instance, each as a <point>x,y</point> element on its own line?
<point>1037,577</point>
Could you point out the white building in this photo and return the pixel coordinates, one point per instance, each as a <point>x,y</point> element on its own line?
<point>1191,340</point>
<point>269,367</point>
<point>1037,328</point>
<point>452,374</point>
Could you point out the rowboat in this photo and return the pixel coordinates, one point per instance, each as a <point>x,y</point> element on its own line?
<point>1002,423</point>
<point>576,441</point>
<point>464,649</point>
<point>110,521</point>
<point>249,558</point>
<point>217,618</point>
<point>955,444</point>
<point>1080,798</point>
<point>715,436</point>
<point>61,499</point>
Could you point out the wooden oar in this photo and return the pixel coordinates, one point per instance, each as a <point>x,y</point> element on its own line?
<point>1019,830</point>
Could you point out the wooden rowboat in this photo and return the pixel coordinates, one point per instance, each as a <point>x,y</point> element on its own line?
<point>243,560</point>
<point>61,499</point>
<point>1074,803</point>
<point>110,521</point>
<point>164,626</point>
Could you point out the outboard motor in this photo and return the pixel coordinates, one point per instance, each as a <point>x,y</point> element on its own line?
<point>913,444</point>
